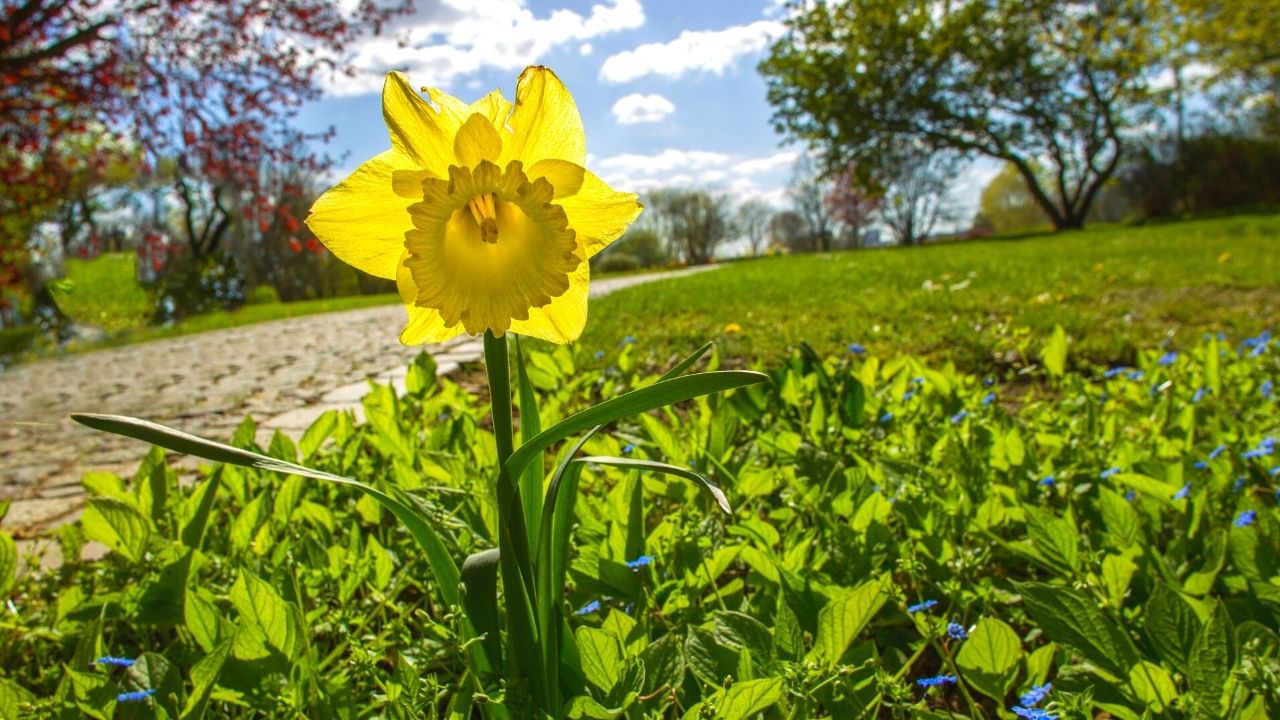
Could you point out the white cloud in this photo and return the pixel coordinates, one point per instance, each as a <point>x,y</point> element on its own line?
<point>585,49</point>
<point>447,39</point>
<point>697,168</point>
<point>712,51</point>
<point>772,163</point>
<point>637,108</point>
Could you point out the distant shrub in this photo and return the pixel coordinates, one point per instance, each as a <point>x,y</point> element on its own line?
<point>198,286</point>
<point>643,244</point>
<point>104,292</point>
<point>263,295</point>
<point>618,262</point>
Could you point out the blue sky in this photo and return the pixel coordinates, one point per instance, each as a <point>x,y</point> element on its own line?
<point>668,90</point>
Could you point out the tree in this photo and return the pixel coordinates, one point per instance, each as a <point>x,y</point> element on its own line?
<point>1007,206</point>
<point>210,83</point>
<point>1018,80</point>
<point>788,230</point>
<point>1238,40</point>
<point>751,221</point>
<point>852,203</point>
<point>806,191</point>
<point>696,221</point>
<point>917,199</point>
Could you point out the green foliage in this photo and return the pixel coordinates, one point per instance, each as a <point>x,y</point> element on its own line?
<point>104,292</point>
<point>644,245</point>
<point>1006,206</point>
<point>1017,80</point>
<point>263,295</point>
<point>988,306</point>
<point>857,487</point>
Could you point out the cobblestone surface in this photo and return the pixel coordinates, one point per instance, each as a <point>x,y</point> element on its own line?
<point>284,373</point>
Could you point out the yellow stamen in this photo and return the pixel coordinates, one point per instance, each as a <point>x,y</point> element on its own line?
<point>485,215</point>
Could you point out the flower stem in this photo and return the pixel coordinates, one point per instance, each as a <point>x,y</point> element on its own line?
<point>499,370</point>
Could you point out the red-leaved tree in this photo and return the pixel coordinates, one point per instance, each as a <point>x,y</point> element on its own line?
<point>852,202</point>
<point>208,86</point>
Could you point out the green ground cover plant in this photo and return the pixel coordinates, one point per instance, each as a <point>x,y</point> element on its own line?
<point>981,304</point>
<point>105,292</point>
<point>906,539</point>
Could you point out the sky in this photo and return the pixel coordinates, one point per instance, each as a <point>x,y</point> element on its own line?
<point>667,89</point>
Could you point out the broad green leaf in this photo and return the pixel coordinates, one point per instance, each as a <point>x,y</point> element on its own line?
<point>1172,626</point>
<point>204,677</point>
<point>583,707</point>
<point>663,663</point>
<point>841,619</point>
<point>12,699</point>
<point>260,604</point>
<point>1117,572</point>
<point>1055,538</point>
<point>1071,619</point>
<point>480,581</point>
<point>202,619</point>
<point>1211,661</point>
<point>1149,487</point>
<point>1153,686</point>
<point>1054,352</point>
<point>200,505</point>
<point>317,432</point>
<point>1119,520</point>
<point>746,699</point>
<point>601,657</point>
<point>118,525</point>
<point>530,425</point>
<point>989,658</point>
<point>743,632</point>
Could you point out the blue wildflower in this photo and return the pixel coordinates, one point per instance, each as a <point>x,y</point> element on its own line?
<point>908,395</point>
<point>959,416</point>
<point>913,609</point>
<point>857,348</point>
<point>599,354</point>
<point>956,631</point>
<point>1033,713</point>
<point>1113,372</point>
<point>886,417</point>
<point>1214,453</point>
<point>1180,495</point>
<point>116,661</point>
<point>1131,495</point>
<point>628,448</point>
<point>1201,464</point>
<point>640,562</point>
<point>988,398</point>
<point>936,681</point>
<point>1239,483</point>
<point>1135,375</point>
<point>1168,358</point>
<point>1257,351</point>
<point>1199,394</point>
<point>1048,481</point>
<point>135,696</point>
<point>589,608</point>
<point>1109,472</point>
<point>1259,340</point>
<point>1266,387</point>
<point>988,381</point>
<point>629,340</point>
<point>919,380</point>
<point>1254,453</point>
<point>1035,695</point>
<point>1246,518</point>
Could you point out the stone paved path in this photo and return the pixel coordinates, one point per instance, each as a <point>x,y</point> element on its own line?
<point>284,373</point>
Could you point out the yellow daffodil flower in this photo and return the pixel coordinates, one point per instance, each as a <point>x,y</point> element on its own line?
<point>483,214</point>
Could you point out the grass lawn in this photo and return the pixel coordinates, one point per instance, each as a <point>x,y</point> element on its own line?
<point>984,304</point>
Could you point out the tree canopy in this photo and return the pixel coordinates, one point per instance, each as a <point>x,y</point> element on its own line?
<point>1020,80</point>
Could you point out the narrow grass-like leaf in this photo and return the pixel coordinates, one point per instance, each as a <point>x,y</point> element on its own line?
<point>686,363</point>
<point>530,426</point>
<point>637,464</point>
<point>443,566</point>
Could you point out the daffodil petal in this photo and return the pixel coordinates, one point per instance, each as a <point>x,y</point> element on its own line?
<point>563,175</point>
<point>418,130</point>
<point>454,110</point>
<point>362,220</point>
<point>425,324</point>
<point>493,106</point>
<point>545,123</point>
<point>561,321</point>
<point>476,141</point>
<point>598,213</point>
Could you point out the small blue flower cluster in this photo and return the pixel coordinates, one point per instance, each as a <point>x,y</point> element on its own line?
<point>1245,518</point>
<point>115,661</point>
<point>1048,481</point>
<point>1266,387</point>
<point>921,606</point>
<point>1115,372</point>
<point>1109,472</point>
<point>1266,446</point>
<point>135,696</point>
<point>936,681</point>
<point>1030,699</point>
<point>1200,393</point>
<point>1168,358</point>
<point>989,398</point>
<point>857,348</point>
<point>642,561</point>
<point>1183,493</point>
<point>955,419</point>
<point>956,631</point>
<point>589,608</point>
